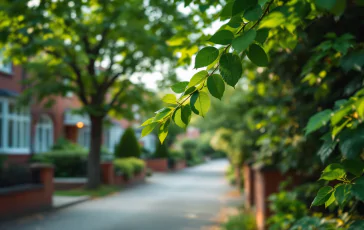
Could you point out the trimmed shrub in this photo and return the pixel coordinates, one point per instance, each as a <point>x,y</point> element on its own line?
<point>123,167</point>
<point>128,145</point>
<point>66,163</point>
<point>161,151</point>
<point>128,167</point>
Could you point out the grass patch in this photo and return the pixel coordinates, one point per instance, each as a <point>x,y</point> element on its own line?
<point>103,190</point>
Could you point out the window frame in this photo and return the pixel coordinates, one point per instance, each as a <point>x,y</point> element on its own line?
<point>21,128</point>
<point>45,125</point>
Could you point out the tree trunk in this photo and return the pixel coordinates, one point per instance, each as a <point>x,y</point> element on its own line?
<point>238,176</point>
<point>93,164</point>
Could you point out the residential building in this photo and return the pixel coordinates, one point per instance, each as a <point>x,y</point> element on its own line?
<point>35,128</point>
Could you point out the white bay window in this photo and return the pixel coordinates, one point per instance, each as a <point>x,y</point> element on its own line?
<point>14,128</point>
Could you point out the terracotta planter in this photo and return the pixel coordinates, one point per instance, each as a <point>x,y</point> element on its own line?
<point>266,182</point>
<point>158,165</point>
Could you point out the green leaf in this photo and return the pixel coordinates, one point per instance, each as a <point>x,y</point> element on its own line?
<point>241,5</point>
<point>242,42</point>
<point>333,172</point>
<point>186,114</point>
<point>179,87</point>
<point>187,2</point>
<point>190,90</point>
<point>318,120</point>
<point>325,4</point>
<point>163,131</point>
<point>257,55</point>
<point>322,195</point>
<point>222,37</point>
<point>330,200</point>
<point>358,188</point>
<point>216,85</point>
<point>354,166</point>
<point>339,114</point>
<point>149,121</point>
<point>262,35</point>
<point>177,118</point>
<point>206,56</point>
<point>162,114</point>
<point>327,147</point>
<point>357,224</point>
<point>253,13</point>
<point>235,22</point>
<point>197,79</point>
<point>148,129</point>
<point>170,99</point>
<point>230,68</point>
<point>339,7</point>
<point>226,11</point>
<point>342,193</point>
<point>200,103</point>
<point>352,142</point>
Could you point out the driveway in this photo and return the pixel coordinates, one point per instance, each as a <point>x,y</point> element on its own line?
<point>185,200</point>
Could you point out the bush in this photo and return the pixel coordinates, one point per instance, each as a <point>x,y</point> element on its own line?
<point>243,221</point>
<point>218,155</point>
<point>205,149</point>
<point>128,167</point>
<point>66,163</point>
<point>128,145</point>
<point>65,144</point>
<point>161,151</point>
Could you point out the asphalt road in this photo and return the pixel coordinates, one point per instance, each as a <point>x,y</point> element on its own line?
<point>185,200</point>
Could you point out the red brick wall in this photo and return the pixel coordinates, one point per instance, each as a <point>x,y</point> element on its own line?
<point>23,202</point>
<point>159,165</point>
<point>12,81</point>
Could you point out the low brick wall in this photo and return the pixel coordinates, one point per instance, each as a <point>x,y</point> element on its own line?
<point>24,199</point>
<point>158,165</point>
<point>181,164</point>
<point>266,182</point>
<point>69,183</point>
<point>109,177</point>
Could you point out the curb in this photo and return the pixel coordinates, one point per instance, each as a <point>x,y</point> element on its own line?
<point>71,203</point>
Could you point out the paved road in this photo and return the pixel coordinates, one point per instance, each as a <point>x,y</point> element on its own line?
<point>186,200</point>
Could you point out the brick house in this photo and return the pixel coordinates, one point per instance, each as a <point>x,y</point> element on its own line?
<point>34,128</point>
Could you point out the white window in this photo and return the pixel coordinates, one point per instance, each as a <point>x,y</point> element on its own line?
<point>84,136</point>
<point>43,134</point>
<point>112,137</point>
<point>14,128</point>
<point>5,66</point>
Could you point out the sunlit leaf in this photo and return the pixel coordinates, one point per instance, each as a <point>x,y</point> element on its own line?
<point>333,172</point>
<point>197,78</point>
<point>206,56</point>
<point>322,196</point>
<point>200,103</point>
<point>148,129</point>
<point>170,99</point>
<point>179,87</point>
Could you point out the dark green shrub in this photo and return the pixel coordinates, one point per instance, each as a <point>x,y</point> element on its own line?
<point>66,163</point>
<point>128,145</point>
<point>161,151</point>
<point>65,144</point>
<point>218,155</point>
<point>205,148</point>
<point>175,156</point>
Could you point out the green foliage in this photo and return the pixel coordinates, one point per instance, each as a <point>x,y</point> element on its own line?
<point>103,190</point>
<point>243,221</point>
<point>128,145</point>
<point>286,209</point>
<point>67,145</point>
<point>67,163</point>
<point>128,167</point>
<point>161,151</point>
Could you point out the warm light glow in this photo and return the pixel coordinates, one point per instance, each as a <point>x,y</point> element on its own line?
<point>79,124</point>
